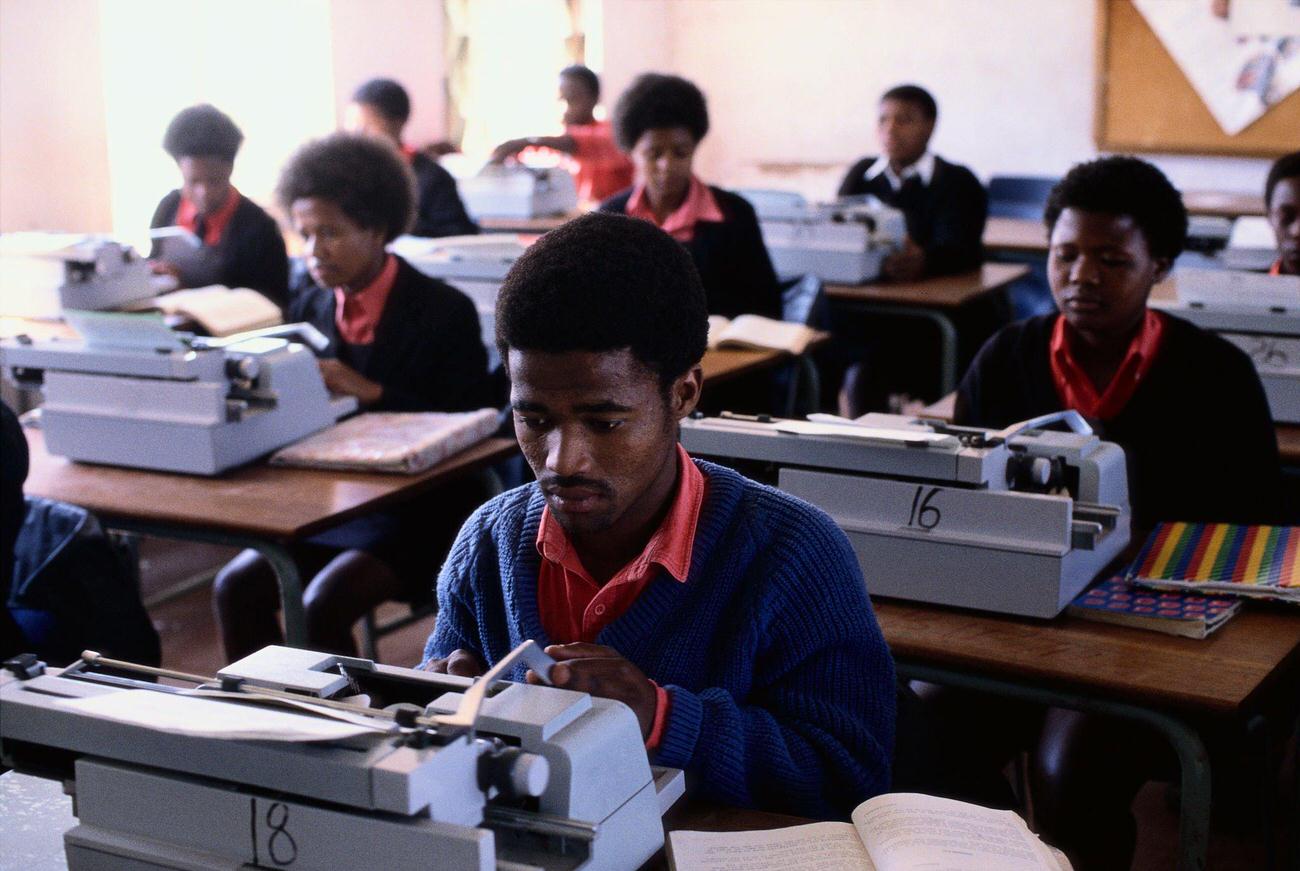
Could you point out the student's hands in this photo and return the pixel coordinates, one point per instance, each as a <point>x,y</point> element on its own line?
<point>602,671</point>
<point>508,149</point>
<point>905,265</point>
<point>461,663</point>
<point>163,267</point>
<point>342,378</point>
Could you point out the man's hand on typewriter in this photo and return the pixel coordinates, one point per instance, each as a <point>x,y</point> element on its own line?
<point>602,671</point>
<point>461,663</point>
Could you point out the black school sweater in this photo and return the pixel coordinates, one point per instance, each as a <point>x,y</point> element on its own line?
<point>438,207</point>
<point>1197,433</point>
<point>428,353</point>
<point>945,217</point>
<point>731,258</point>
<point>251,249</point>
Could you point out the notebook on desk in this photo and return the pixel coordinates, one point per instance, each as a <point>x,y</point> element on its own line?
<point>390,441</point>
<point>1173,612</point>
<point>1251,561</point>
<point>756,331</point>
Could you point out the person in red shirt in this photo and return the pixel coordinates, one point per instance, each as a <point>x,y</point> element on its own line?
<point>240,244</point>
<point>599,167</point>
<point>1282,199</point>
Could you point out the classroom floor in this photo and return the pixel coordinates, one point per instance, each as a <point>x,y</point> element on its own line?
<point>176,585</point>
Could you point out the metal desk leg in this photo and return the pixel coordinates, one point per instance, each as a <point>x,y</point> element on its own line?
<point>941,321</point>
<point>1193,761</point>
<point>286,570</point>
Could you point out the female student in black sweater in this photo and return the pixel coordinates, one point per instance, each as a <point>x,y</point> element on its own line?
<point>399,341</point>
<point>1191,415</point>
<point>241,243</point>
<point>659,121</point>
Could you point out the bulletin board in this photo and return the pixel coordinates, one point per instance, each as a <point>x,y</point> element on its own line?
<point>1143,101</point>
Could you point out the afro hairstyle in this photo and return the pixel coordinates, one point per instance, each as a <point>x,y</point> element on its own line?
<point>589,79</point>
<point>1122,185</point>
<point>655,102</point>
<point>202,131</point>
<point>1286,166</point>
<point>605,282</point>
<point>387,97</point>
<point>366,177</point>
<point>915,95</point>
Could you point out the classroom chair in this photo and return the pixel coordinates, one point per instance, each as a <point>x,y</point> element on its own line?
<point>1019,196</point>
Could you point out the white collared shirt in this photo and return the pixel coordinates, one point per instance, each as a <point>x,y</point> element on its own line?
<point>923,169</point>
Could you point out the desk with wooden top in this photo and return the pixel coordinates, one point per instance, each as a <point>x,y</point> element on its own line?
<point>529,226</point>
<point>1015,236</point>
<point>932,299</point>
<point>260,506</point>
<point>1159,680</point>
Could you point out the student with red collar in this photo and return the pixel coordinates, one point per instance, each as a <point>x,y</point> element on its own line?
<point>241,242</point>
<point>398,341</point>
<point>943,203</point>
<point>381,107</point>
<point>659,120</point>
<point>600,168</point>
<point>1282,200</point>
<point>1141,376</point>
<point>1187,408</point>
<point>730,617</point>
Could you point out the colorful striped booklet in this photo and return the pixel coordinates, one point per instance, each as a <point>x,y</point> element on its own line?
<point>1255,561</point>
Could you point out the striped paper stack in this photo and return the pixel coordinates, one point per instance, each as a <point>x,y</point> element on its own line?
<point>1256,561</point>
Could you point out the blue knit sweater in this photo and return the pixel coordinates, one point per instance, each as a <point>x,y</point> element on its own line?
<point>781,686</point>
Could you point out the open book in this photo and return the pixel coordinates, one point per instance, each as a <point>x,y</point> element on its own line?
<point>756,331</point>
<point>220,311</point>
<point>893,832</point>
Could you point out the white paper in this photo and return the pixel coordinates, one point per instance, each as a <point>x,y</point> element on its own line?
<point>206,718</point>
<point>909,830</point>
<point>813,847</point>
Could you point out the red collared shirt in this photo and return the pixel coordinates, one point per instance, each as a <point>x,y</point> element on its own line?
<point>699,205</point>
<point>356,314</point>
<point>1276,268</point>
<point>573,607</point>
<point>600,169</point>
<point>1076,389</point>
<point>214,225</point>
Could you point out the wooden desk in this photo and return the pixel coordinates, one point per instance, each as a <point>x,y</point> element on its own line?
<point>932,299</point>
<point>1224,204</point>
<point>258,506</point>
<point>724,364</point>
<point>526,225</point>
<point>1155,679</point>
<point>1015,236</point>
<point>1288,443</point>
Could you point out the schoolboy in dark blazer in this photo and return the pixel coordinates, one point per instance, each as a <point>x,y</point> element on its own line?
<point>944,204</point>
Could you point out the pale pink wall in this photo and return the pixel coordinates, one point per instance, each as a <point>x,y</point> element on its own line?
<point>53,147</point>
<point>397,39</point>
<point>796,81</point>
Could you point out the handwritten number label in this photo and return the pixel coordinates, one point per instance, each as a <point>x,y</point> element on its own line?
<point>923,514</point>
<point>280,847</point>
<point>1266,352</point>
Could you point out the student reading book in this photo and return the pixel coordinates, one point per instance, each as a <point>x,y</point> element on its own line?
<point>892,832</point>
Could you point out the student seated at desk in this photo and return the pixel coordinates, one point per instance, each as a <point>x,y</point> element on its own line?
<point>731,618</point>
<point>600,168</point>
<point>399,341</point>
<point>659,120</point>
<point>1189,411</point>
<point>241,243</point>
<point>1146,379</point>
<point>943,203</point>
<point>381,107</point>
<point>1282,200</point>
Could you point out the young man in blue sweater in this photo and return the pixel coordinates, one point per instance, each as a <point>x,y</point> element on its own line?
<point>731,618</point>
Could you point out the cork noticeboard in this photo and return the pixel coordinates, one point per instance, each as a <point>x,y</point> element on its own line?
<point>1145,103</point>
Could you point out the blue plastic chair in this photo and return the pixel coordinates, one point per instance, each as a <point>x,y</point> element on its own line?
<point>1019,196</point>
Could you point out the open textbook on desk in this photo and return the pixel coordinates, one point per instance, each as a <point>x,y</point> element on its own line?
<point>756,331</point>
<point>893,832</point>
